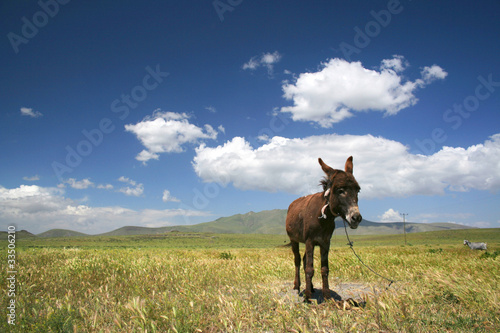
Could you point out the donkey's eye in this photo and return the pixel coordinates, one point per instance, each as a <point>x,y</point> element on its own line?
<point>340,191</point>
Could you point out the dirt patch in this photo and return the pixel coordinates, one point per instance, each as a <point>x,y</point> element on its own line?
<point>353,293</point>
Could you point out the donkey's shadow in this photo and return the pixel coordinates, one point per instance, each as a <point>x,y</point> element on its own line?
<point>317,295</point>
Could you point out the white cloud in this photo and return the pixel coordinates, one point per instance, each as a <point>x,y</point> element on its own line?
<point>30,113</point>
<point>28,191</point>
<point>136,189</point>
<point>84,184</point>
<point>167,132</point>
<point>146,155</point>
<point>252,64</point>
<point>105,186</point>
<point>79,185</point>
<point>482,224</point>
<point>383,167</point>
<point>270,58</point>
<point>390,215</point>
<point>341,88</point>
<point>398,63</point>
<point>211,109</point>
<point>168,197</point>
<point>32,179</point>
<point>429,217</point>
<point>430,74</point>
<point>127,180</point>
<point>266,60</point>
<point>38,209</point>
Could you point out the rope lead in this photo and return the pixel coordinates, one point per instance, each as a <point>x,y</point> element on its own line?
<point>350,243</point>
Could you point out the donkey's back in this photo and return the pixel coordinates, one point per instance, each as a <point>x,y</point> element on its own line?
<point>302,216</point>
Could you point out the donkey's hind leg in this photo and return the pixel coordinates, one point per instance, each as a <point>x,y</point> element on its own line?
<point>324,270</point>
<point>309,269</point>
<point>296,253</point>
<point>304,260</point>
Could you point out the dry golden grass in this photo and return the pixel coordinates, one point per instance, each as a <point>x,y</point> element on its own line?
<point>235,289</point>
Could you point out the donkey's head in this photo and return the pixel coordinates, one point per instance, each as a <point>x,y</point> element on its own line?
<point>341,189</point>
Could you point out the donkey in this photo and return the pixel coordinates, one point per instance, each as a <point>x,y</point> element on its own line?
<point>475,246</point>
<point>309,221</point>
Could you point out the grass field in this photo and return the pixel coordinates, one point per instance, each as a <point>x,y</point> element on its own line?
<point>180,282</point>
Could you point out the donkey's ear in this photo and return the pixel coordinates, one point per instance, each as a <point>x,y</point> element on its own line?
<point>325,167</point>
<point>348,165</point>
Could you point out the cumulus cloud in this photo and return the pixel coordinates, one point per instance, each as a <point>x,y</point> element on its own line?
<point>266,60</point>
<point>105,186</point>
<point>38,209</point>
<point>390,215</point>
<point>29,112</point>
<point>167,132</point>
<point>168,197</point>
<point>430,74</point>
<point>135,189</point>
<point>341,88</point>
<point>79,184</point>
<point>397,63</point>
<point>383,167</point>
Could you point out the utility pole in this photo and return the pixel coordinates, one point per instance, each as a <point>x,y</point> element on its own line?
<point>404,223</point>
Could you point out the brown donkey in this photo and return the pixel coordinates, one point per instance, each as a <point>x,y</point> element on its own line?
<point>311,220</point>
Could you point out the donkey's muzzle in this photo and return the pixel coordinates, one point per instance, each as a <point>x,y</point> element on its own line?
<point>354,218</point>
<point>357,218</point>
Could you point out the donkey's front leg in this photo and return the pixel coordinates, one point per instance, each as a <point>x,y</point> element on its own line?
<point>296,254</point>
<point>309,268</point>
<point>324,249</point>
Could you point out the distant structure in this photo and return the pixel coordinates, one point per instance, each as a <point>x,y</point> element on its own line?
<point>404,223</point>
<point>475,246</point>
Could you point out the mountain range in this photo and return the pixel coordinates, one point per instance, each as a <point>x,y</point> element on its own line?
<point>264,222</point>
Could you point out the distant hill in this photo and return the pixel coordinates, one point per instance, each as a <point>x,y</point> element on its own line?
<point>392,228</point>
<point>130,230</point>
<point>273,222</point>
<point>264,222</point>
<point>61,233</point>
<point>19,234</point>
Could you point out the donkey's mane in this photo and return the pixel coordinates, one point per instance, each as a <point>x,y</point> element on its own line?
<point>325,183</point>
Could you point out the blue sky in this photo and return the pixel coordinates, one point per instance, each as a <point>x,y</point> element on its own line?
<point>161,113</point>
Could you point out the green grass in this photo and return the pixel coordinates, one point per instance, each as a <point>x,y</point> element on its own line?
<point>237,283</point>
